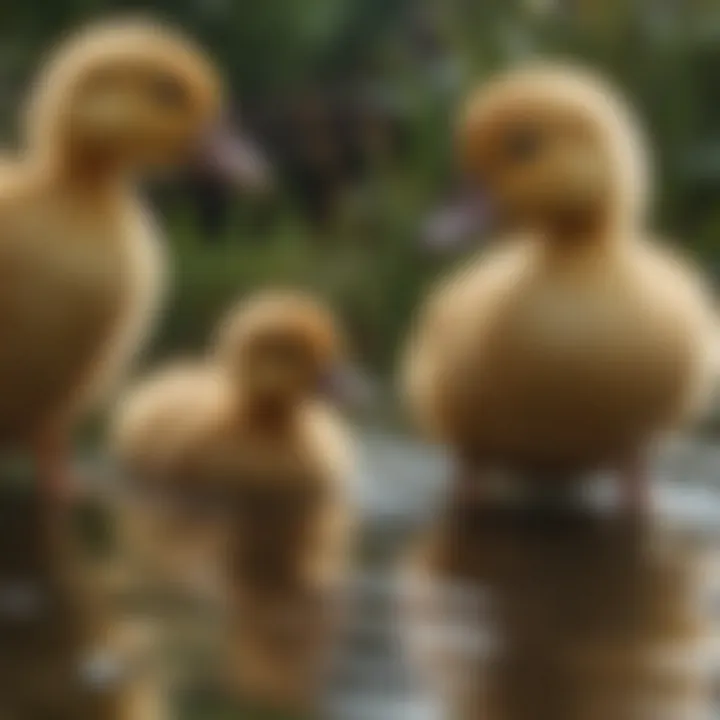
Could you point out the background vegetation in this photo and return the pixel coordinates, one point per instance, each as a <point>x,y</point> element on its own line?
<point>352,100</point>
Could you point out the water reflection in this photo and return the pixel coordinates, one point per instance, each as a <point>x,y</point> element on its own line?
<point>56,662</point>
<point>514,614</point>
<point>576,614</point>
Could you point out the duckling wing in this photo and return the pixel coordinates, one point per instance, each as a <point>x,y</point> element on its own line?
<point>690,294</point>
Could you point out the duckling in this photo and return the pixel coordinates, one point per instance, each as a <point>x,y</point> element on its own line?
<point>82,266</point>
<point>578,338</point>
<point>245,429</point>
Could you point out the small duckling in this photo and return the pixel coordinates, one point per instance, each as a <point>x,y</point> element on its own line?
<point>82,268</point>
<point>246,430</point>
<point>579,339</point>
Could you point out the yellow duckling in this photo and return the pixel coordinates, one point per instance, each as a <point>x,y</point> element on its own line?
<point>246,430</point>
<point>81,267</point>
<point>578,339</point>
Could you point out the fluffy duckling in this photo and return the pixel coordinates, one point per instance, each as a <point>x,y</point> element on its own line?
<point>579,338</point>
<point>81,264</point>
<point>247,430</point>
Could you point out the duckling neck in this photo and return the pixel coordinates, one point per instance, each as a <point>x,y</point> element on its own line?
<point>571,239</point>
<point>96,175</point>
<point>269,413</point>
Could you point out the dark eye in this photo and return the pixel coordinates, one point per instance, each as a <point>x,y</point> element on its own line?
<point>169,92</point>
<point>286,351</point>
<point>523,144</point>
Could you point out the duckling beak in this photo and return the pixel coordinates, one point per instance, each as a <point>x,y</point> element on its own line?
<point>235,159</point>
<point>465,218</point>
<point>347,385</point>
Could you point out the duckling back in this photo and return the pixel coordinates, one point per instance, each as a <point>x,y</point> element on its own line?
<point>150,423</point>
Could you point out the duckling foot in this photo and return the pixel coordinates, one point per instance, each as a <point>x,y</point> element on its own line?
<point>635,495</point>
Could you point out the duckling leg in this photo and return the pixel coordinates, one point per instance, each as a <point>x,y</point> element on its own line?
<point>635,495</point>
<point>53,461</point>
<point>468,482</point>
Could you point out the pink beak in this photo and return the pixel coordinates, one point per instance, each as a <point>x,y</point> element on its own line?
<point>465,218</point>
<point>347,385</point>
<point>235,159</point>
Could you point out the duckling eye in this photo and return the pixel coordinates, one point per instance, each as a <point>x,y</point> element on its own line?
<point>169,92</point>
<point>288,354</point>
<point>522,144</point>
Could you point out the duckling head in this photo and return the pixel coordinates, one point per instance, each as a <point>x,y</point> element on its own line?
<point>133,95</point>
<point>284,346</point>
<point>549,148</point>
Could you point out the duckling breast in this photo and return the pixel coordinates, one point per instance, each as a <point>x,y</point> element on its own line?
<point>70,278</point>
<point>574,361</point>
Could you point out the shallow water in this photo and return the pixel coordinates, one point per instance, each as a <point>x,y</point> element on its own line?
<point>572,614</point>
